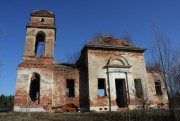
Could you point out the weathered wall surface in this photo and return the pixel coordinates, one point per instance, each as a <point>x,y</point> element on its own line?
<point>37,21</point>
<point>31,40</point>
<point>106,58</point>
<point>22,98</point>
<point>60,76</point>
<point>52,87</point>
<point>98,59</point>
<point>154,100</point>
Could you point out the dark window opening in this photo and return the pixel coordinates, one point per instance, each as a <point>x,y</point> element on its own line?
<point>40,45</point>
<point>101,87</point>
<point>121,96</point>
<point>138,87</point>
<point>158,87</point>
<point>35,87</point>
<point>42,19</point>
<point>70,88</point>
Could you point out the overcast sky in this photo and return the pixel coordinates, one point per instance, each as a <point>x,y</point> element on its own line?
<point>77,21</point>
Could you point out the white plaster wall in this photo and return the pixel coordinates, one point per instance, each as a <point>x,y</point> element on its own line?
<point>20,109</point>
<point>96,70</point>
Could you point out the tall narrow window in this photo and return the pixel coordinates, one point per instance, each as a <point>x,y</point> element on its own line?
<point>158,87</point>
<point>138,87</point>
<point>40,46</point>
<point>34,91</point>
<point>70,88</point>
<point>101,87</point>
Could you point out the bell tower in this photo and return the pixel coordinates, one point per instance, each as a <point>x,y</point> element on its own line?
<point>40,37</point>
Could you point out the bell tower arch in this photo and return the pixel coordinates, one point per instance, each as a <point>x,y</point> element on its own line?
<point>40,37</point>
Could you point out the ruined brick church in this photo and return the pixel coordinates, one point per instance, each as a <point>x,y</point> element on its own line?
<point>110,74</point>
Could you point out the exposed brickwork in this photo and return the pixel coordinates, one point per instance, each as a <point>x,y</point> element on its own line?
<point>155,99</point>
<point>116,61</point>
<point>108,40</point>
<point>61,74</point>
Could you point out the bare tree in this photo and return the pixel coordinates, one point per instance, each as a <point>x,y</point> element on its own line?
<point>165,61</point>
<point>72,57</point>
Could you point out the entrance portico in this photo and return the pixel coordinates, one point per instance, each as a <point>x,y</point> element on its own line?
<point>119,77</point>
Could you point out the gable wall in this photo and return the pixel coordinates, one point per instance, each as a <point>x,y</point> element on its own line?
<point>98,59</point>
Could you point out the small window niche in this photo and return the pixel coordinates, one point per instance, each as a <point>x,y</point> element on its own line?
<point>158,87</point>
<point>42,20</point>
<point>101,87</point>
<point>70,88</point>
<point>138,88</point>
<point>34,91</point>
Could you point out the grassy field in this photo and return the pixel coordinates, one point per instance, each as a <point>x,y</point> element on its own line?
<point>138,115</point>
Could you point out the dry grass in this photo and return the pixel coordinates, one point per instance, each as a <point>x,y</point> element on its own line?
<point>138,115</point>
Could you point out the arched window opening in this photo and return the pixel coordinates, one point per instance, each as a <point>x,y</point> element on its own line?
<point>35,87</point>
<point>40,45</point>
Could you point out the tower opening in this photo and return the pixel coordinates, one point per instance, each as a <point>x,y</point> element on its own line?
<point>40,44</point>
<point>34,91</point>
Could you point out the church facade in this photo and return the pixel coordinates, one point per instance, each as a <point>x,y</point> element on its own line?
<point>110,74</point>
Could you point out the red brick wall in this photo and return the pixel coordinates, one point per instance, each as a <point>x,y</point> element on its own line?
<point>59,86</point>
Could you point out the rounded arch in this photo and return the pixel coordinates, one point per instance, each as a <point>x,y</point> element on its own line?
<point>40,43</point>
<point>118,60</point>
<point>40,36</point>
<point>34,90</point>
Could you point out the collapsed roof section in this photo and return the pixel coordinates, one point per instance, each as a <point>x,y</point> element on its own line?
<point>109,42</point>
